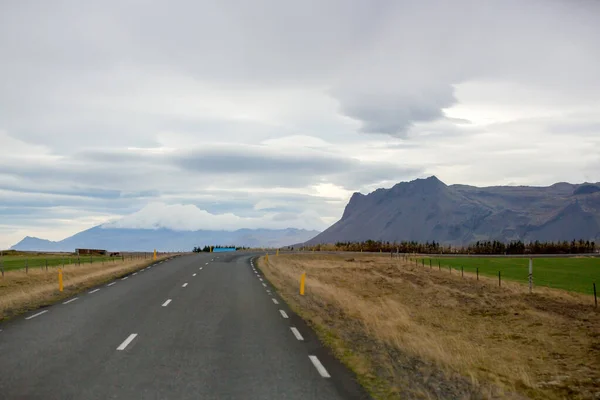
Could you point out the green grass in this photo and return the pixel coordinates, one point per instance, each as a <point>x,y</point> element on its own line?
<point>19,261</point>
<point>572,274</point>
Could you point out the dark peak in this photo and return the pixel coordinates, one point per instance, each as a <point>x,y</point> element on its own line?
<point>428,184</point>
<point>356,195</point>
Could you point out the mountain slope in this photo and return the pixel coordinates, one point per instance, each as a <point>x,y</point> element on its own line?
<point>120,239</point>
<point>427,209</point>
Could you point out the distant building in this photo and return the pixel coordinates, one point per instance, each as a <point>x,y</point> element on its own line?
<point>90,252</point>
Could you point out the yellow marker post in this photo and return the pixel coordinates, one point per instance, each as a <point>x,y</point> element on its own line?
<point>302,281</point>
<point>154,256</point>
<point>211,249</point>
<point>60,280</point>
<point>267,257</point>
<point>277,252</point>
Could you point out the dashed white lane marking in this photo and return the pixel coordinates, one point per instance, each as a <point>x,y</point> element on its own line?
<point>112,283</point>
<point>201,268</point>
<point>166,303</point>
<point>260,279</point>
<point>296,333</point>
<point>193,274</point>
<point>37,315</point>
<point>184,285</point>
<point>322,371</point>
<point>124,278</point>
<point>127,341</point>
<point>264,284</point>
<point>275,301</point>
<point>93,291</point>
<point>206,264</point>
<point>135,273</point>
<point>70,301</point>
<point>283,314</point>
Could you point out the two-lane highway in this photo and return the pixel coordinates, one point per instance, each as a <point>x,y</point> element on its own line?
<point>206,326</point>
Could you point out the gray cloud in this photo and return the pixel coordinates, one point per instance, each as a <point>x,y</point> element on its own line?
<point>107,106</point>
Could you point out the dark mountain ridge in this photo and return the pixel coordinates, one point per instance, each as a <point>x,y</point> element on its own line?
<point>427,209</point>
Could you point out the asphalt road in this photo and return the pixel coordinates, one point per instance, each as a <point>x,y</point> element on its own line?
<point>196,327</point>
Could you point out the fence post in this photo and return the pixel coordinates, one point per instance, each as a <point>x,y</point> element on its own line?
<point>46,265</point>
<point>595,298</point>
<point>462,272</point>
<point>91,259</point>
<point>450,268</point>
<point>78,260</point>
<point>499,279</point>
<point>477,273</point>
<point>27,265</point>
<point>530,275</point>
<point>439,266</point>
<point>60,280</point>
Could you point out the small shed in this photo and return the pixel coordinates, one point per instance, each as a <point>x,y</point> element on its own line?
<point>90,252</point>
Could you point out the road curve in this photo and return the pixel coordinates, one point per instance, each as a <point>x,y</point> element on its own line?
<point>206,326</point>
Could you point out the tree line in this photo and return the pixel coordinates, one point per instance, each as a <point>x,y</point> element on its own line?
<point>479,247</point>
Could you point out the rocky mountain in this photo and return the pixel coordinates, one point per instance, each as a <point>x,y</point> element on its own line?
<point>427,209</point>
<point>162,239</point>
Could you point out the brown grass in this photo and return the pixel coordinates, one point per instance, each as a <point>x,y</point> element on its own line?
<point>411,332</point>
<point>21,292</point>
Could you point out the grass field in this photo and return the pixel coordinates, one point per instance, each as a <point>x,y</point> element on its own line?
<point>20,292</point>
<point>39,260</point>
<point>573,274</point>
<point>412,332</point>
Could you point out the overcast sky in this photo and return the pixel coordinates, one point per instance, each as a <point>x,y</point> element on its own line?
<point>227,114</point>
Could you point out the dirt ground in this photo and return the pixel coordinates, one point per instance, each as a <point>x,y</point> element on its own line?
<point>413,332</point>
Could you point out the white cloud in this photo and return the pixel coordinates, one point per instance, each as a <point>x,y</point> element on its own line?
<point>188,217</point>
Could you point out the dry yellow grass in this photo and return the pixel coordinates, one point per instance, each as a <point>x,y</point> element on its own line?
<point>413,332</point>
<point>21,292</point>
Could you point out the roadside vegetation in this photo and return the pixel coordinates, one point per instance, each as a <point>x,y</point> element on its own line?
<point>414,332</point>
<point>21,291</point>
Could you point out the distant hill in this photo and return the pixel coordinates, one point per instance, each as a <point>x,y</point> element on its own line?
<point>427,209</point>
<point>162,239</point>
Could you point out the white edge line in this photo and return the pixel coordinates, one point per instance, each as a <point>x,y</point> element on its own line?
<point>112,283</point>
<point>275,301</point>
<point>264,284</point>
<point>93,291</point>
<point>127,341</point>
<point>184,285</point>
<point>124,278</point>
<point>135,273</point>
<point>296,333</point>
<point>166,303</point>
<point>322,371</point>
<point>37,315</point>
<point>283,314</point>
<point>193,274</point>
<point>70,301</point>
